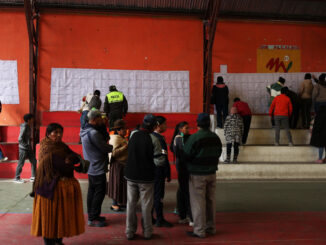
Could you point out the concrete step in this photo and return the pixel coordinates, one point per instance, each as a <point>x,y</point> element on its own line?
<point>271,171</point>
<point>267,136</point>
<point>261,121</point>
<point>258,154</point>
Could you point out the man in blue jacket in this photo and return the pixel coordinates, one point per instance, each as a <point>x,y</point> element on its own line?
<point>95,150</point>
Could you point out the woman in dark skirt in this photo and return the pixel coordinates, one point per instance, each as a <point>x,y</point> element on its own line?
<point>117,186</point>
<point>318,136</point>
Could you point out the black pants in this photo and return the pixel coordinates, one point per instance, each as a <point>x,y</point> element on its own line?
<point>159,191</point>
<point>48,241</point>
<point>95,195</point>
<point>183,192</point>
<point>113,116</point>
<point>229,149</point>
<point>305,112</point>
<point>23,155</point>
<point>246,127</point>
<point>294,117</point>
<point>222,112</point>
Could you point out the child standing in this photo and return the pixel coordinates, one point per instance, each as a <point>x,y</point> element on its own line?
<point>233,130</point>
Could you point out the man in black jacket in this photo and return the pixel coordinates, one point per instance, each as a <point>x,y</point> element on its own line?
<point>220,98</point>
<point>139,172</point>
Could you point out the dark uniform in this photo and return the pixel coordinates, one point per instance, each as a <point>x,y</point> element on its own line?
<point>115,106</point>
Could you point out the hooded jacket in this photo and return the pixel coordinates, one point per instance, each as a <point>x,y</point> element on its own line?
<point>220,94</point>
<point>281,106</point>
<point>24,138</point>
<point>95,150</point>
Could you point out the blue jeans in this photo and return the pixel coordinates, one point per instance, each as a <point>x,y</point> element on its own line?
<point>320,152</point>
<point>83,119</point>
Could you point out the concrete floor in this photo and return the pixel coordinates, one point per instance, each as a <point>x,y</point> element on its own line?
<point>231,196</point>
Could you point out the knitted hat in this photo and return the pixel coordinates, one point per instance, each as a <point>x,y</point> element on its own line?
<point>93,114</point>
<point>203,118</point>
<point>149,120</point>
<point>112,88</point>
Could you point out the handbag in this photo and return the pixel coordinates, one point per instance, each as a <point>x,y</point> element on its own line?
<point>83,166</point>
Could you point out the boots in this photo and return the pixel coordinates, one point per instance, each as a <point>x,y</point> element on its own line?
<point>235,159</point>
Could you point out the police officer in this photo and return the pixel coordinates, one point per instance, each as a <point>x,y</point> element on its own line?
<point>115,105</point>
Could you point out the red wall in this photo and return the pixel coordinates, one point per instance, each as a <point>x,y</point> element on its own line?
<point>236,44</point>
<point>14,46</point>
<point>121,42</point>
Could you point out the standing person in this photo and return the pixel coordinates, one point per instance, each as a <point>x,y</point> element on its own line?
<point>58,205</point>
<point>233,130</point>
<point>117,186</point>
<point>162,172</point>
<point>319,92</point>
<point>293,120</point>
<point>203,149</point>
<point>115,105</point>
<point>245,112</point>
<point>180,137</point>
<point>275,90</point>
<point>25,148</point>
<point>140,175</point>
<point>95,150</point>
<point>318,136</point>
<point>2,157</point>
<point>95,102</point>
<point>305,94</point>
<point>281,108</point>
<point>220,98</point>
<point>85,109</point>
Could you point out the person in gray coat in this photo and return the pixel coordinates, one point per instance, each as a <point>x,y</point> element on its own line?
<point>25,148</point>
<point>95,150</point>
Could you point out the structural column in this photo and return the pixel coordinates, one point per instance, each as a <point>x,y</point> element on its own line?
<point>210,23</point>
<point>32,20</point>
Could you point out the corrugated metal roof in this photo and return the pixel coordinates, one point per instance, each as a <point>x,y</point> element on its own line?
<point>314,10</point>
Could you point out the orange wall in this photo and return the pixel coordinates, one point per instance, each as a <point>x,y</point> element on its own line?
<point>236,44</point>
<point>120,42</point>
<point>14,46</point>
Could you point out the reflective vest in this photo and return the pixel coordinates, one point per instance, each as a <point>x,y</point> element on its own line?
<point>114,97</point>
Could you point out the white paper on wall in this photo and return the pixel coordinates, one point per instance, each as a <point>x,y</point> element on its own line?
<point>251,87</point>
<point>146,91</point>
<point>9,82</point>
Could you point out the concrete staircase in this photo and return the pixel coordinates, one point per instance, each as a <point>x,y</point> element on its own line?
<point>260,159</point>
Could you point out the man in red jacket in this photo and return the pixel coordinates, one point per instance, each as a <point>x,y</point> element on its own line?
<point>245,113</point>
<point>281,108</point>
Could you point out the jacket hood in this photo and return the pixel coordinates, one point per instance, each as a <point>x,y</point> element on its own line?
<point>86,129</point>
<point>220,85</point>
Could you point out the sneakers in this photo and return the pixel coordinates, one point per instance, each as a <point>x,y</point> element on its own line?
<point>191,223</point>
<point>3,159</point>
<point>183,221</point>
<point>235,160</point>
<point>227,160</point>
<point>191,234</point>
<point>290,144</point>
<point>97,223</point>
<point>319,161</point>
<point>276,144</point>
<point>32,179</point>
<point>19,181</point>
<point>163,223</point>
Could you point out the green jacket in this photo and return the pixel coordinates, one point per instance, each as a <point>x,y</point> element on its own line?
<point>203,150</point>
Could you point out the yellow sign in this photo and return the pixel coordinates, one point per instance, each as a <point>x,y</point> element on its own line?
<point>278,58</point>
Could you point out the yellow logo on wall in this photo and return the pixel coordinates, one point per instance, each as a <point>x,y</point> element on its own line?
<point>278,58</point>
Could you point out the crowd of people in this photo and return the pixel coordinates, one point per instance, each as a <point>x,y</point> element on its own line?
<point>138,163</point>
<point>285,109</point>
